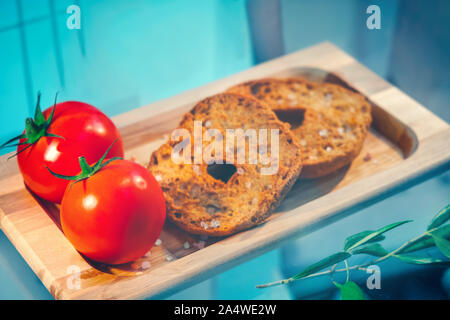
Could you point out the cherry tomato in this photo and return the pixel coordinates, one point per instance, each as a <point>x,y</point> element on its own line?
<point>116,214</point>
<point>81,129</point>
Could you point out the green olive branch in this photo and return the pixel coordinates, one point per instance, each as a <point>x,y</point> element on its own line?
<point>367,242</point>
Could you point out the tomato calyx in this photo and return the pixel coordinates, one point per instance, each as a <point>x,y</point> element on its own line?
<point>34,129</point>
<point>87,170</point>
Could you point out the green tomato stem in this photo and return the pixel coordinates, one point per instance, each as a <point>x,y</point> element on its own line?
<point>87,170</point>
<point>35,128</point>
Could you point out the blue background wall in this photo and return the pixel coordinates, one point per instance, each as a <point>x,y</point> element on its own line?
<point>126,54</point>
<point>131,53</point>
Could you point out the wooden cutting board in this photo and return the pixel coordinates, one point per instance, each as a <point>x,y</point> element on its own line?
<point>406,143</point>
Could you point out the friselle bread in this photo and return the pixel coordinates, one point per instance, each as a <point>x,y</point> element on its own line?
<point>330,121</point>
<point>222,199</point>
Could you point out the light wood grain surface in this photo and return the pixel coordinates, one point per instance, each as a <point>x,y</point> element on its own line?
<point>406,142</point>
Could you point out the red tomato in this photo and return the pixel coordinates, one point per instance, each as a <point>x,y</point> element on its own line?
<point>116,215</point>
<point>87,132</point>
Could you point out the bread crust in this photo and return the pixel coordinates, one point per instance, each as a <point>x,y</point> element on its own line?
<point>334,125</point>
<point>195,200</point>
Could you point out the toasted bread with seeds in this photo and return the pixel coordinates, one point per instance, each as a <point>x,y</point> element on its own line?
<point>221,199</point>
<point>330,121</point>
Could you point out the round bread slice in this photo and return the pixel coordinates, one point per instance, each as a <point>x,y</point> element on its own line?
<point>330,121</point>
<point>221,199</point>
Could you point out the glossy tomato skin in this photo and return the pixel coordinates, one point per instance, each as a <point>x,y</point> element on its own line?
<point>116,215</point>
<point>87,132</point>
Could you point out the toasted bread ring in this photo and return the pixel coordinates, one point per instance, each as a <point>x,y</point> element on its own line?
<point>202,204</point>
<point>332,121</point>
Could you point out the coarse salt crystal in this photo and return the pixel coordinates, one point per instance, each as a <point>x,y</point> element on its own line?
<point>196,169</point>
<point>215,223</point>
<point>240,171</point>
<point>291,96</point>
<point>186,245</point>
<point>254,201</point>
<point>204,225</point>
<point>199,245</point>
<point>176,157</point>
<point>158,177</point>
<point>323,132</point>
<point>145,265</point>
<point>208,124</point>
<point>329,149</point>
<point>248,184</point>
<point>169,258</point>
<point>158,242</point>
<point>340,130</point>
<point>328,98</point>
<point>303,143</point>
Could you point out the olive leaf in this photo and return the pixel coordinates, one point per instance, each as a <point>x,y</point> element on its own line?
<point>440,218</point>
<point>351,240</point>
<point>442,244</point>
<point>372,235</point>
<point>350,291</point>
<point>374,249</point>
<point>427,241</point>
<point>413,259</point>
<point>326,262</point>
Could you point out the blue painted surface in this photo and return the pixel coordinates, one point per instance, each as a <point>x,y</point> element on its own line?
<point>131,53</point>
<point>136,52</point>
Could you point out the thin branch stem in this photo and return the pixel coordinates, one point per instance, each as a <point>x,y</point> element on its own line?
<point>347,268</point>
<point>348,271</point>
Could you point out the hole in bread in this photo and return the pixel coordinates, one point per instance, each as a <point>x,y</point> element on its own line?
<point>294,117</point>
<point>154,160</point>
<point>256,88</point>
<point>178,215</point>
<point>221,172</point>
